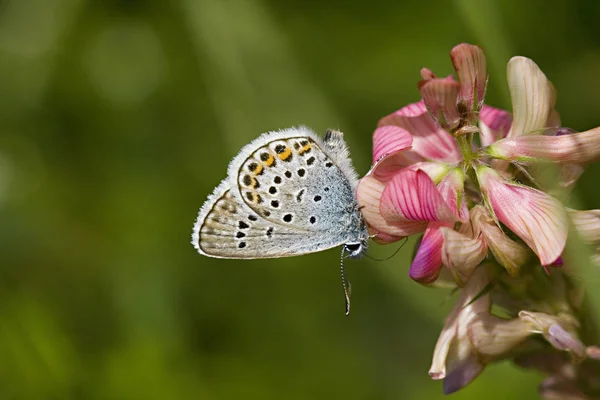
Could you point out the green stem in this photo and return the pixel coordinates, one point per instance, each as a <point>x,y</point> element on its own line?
<point>464,144</point>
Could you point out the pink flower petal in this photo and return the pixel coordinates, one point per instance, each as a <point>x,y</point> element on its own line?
<point>493,336</point>
<point>574,148</point>
<point>494,124</point>
<point>426,265</point>
<point>532,96</point>
<point>451,189</point>
<point>440,96</point>
<point>383,238</point>
<point>497,119</point>
<point>587,224</point>
<point>427,74</point>
<point>368,194</point>
<point>471,66</point>
<point>553,119</point>
<point>436,171</point>
<point>388,140</point>
<point>558,331</point>
<point>412,110</point>
<point>454,347</point>
<point>510,254</point>
<point>461,254</point>
<point>386,168</point>
<point>537,218</point>
<point>430,141</point>
<point>412,196</point>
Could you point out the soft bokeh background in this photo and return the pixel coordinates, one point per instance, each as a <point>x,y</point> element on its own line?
<point>117,119</point>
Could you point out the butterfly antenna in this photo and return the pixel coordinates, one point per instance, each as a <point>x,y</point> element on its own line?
<point>393,254</point>
<point>345,282</point>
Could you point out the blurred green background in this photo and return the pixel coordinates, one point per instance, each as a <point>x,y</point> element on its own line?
<point>118,118</point>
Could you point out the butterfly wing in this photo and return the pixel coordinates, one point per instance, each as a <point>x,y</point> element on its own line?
<point>292,181</point>
<point>227,228</point>
<point>287,193</point>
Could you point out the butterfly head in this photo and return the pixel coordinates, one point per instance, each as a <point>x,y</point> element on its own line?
<point>355,250</point>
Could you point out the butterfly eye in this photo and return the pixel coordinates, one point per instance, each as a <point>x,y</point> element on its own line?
<point>353,247</point>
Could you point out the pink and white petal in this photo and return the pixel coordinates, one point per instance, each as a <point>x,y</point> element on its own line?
<point>422,82</point>
<point>368,194</point>
<point>494,124</point>
<point>425,267</point>
<point>557,330</point>
<point>468,229</point>
<point>412,196</point>
<point>440,96</point>
<point>574,148</point>
<point>587,224</point>
<point>383,238</point>
<point>463,211</point>
<point>390,139</point>
<point>497,119</point>
<point>451,189</point>
<point>537,218</point>
<point>510,254</point>
<point>486,134</point>
<point>553,119</point>
<point>427,74</point>
<point>430,140</point>
<point>461,254</point>
<point>532,96</point>
<point>435,171</point>
<point>387,166</point>
<point>412,110</point>
<point>494,337</point>
<point>471,66</point>
<point>440,354</point>
<point>454,346</point>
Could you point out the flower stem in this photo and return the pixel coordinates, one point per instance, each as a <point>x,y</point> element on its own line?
<point>464,144</point>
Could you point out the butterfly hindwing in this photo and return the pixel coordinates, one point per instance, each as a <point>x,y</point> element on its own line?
<point>227,228</point>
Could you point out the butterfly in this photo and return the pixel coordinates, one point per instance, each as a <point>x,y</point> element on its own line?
<point>287,193</point>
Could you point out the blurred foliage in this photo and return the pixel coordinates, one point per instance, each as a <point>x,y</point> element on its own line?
<point>119,117</point>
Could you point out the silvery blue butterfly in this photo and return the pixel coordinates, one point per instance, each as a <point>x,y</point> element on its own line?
<point>287,193</point>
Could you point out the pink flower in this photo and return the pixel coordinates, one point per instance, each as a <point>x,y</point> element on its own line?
<point>459,171</point>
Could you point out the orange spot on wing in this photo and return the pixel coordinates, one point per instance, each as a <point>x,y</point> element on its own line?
<point>258,170</point>
<point>270,161</point>
<point>287,153</point>
<point>304,148</point>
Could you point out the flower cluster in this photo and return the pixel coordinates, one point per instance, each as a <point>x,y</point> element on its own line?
<point>468,176</point>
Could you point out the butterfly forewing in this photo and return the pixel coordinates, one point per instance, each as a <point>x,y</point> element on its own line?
<point>292,182</point>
